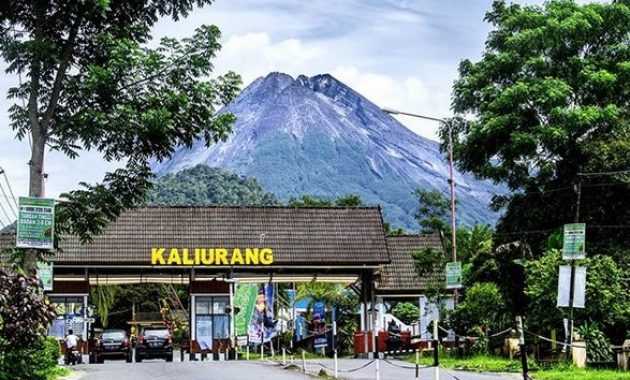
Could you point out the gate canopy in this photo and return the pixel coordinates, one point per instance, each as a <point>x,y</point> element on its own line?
<point>298,237</point>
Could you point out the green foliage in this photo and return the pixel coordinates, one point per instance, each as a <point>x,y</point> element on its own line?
<point>93,83</point>
<point>428,261</point>
<point>202,185</point>
<point>598,347</point>
<point>432,212</point>
<point>550,100</point>
<point>407,312</point>
<point>482,309</point>
<point>31,363</point>
<point>476,363</point>
<point>24,314</point>
<point>572,372</point>
<point>103,297</point>
<point>347,309</point>
<point>348,200</point>
<point>607,298</point>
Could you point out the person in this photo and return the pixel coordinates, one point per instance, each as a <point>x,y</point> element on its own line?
<point>71,341</point>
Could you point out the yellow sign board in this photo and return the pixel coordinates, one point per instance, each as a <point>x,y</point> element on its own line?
<point>211,256</point>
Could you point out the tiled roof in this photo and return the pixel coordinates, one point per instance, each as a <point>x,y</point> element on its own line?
<point>400,277</point>
<point>298,236</point>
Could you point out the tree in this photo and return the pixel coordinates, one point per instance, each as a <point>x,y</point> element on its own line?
<point>432,211</point>
<point>549,100</point>
<point>348,200</point>
<point>91,83</point>
<point>407,312</point>
<point>202,185</point>
<point>607,300</point>
<point>483,309</point>
<point>103,297</point>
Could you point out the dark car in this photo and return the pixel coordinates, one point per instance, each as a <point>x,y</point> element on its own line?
<point>113,344</point>
<point>154,342</point>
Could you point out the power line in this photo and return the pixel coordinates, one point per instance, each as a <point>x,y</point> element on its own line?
<point>8,203</point>
<point>5,213</point>
<point>626,171</point>
<point>10,189</point>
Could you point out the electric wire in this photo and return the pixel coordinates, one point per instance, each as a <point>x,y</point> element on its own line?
<point>4,194</point>
<point>4,172</point>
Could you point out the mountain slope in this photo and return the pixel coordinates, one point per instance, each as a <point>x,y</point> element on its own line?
<point>203,186</point>
<point>317,136</point>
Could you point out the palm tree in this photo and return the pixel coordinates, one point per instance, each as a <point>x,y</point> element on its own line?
<point>103,298</point>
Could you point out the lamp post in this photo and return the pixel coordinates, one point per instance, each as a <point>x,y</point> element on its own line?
<point>451,179</point>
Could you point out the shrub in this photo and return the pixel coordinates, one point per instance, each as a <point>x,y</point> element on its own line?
<point>39,363</point>
<point>406,312</point>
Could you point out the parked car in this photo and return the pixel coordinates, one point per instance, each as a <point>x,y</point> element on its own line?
<point>154,342</point>
<point>113,344</point>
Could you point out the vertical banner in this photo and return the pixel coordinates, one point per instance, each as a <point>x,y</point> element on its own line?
<point>574,242</point>
<point>318,324</point>
<point>564,286</point>
<point>45,274</point>
<point>245,301</point>
<point>579,287</point>
<point>36,223</point>
<point>262,327</point>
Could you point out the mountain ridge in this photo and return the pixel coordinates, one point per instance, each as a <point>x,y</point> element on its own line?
<point>315,135</point>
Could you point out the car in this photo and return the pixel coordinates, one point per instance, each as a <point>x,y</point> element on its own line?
<point>154,342</point>
<point>113,344</point>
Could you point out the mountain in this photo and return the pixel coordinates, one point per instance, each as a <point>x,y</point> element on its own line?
<point>203,186</point>
<point>315,135</point>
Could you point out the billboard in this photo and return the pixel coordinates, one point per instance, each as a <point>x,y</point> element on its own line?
<point>36,223</point>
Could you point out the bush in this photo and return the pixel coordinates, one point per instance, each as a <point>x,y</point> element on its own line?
<point>406,312</point>
<point>38,363</point>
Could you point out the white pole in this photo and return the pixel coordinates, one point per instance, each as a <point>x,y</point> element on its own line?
<point>284,356</point>
<point>262,351</point>
<point>303,361</point>
<point>436,369</point>
<point>378,368</point>
<point>335,348</point>
<point>417,365</point>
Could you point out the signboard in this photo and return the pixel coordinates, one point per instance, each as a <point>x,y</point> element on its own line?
<point>45,274</point>
<point>318,324</point>
<point>564,286</point>
<point>245,300</point>
<point>36,223</point>
<point>573,247</point>
<point>453,275</point>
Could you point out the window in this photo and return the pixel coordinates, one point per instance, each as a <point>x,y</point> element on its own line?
<point>70,315</point>
<point>211,321</point>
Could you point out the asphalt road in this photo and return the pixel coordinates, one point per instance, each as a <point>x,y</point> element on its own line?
<point>242,370</point>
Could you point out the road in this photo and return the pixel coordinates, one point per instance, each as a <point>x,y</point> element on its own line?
<point>243,370</point>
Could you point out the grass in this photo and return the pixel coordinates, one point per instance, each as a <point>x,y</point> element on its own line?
<point>570,373</point>
<point>278,355</point>
<point>57,372</point>
<point>477,363</point>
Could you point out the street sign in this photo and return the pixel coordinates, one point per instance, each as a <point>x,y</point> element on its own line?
<point>573,247</point>
<point>36,223</point>
<point>45,274</point>
<point>454,275</point>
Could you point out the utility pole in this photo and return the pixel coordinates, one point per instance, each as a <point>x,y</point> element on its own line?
<point>578,190</point>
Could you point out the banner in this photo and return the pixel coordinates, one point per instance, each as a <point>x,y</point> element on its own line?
<point>244,300</point>
<point>318,324</point>
<point>36,223</point>
<point>45,274</point>
<point>564,286</point>
<point>579,287</point>
<point>262,327</point>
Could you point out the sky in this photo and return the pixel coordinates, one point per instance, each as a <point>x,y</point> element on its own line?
<point>400,54</point>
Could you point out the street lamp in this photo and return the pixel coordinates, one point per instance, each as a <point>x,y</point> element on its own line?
<point>451,180</point>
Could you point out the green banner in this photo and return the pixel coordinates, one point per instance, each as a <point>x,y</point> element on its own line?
<point>244,299</point>
<point>574,242</point>
<point>36,223</point>
<point>45,274</point>
<point>453,275</point>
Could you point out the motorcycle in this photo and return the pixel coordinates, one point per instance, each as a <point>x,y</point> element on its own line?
<point>73,356</point>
